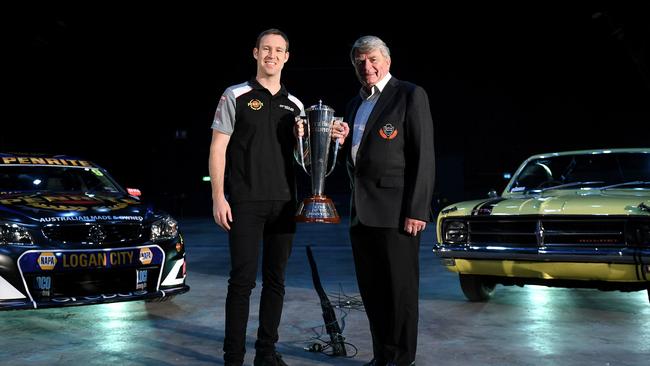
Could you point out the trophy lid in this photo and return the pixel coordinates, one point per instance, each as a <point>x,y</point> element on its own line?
<point>320,107</point>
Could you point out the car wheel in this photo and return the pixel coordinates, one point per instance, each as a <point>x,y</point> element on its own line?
<point>476,288</point>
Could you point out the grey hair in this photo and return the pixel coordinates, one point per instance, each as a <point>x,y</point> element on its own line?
<point>367,44</point>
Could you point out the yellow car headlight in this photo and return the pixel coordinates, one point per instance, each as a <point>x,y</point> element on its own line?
<point>454,231</point>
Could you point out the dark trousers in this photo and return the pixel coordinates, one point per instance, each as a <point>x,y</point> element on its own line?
<point>272,223</point>
<point>387,266</point>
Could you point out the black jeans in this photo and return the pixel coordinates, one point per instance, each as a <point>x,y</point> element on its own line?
<point>386,261</point>
<point>272,223</point>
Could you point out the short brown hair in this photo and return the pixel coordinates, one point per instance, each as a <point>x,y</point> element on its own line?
<point>272,31</point>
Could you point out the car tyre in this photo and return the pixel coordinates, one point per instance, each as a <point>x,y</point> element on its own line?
<point>476,288</point>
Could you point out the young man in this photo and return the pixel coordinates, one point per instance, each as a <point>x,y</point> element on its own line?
<point>391,167</point>
<point>253,137</point>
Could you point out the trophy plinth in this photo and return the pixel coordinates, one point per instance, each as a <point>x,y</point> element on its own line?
<point>318,209</point>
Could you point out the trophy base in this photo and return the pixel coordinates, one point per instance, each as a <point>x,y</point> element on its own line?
<point>317,209</point>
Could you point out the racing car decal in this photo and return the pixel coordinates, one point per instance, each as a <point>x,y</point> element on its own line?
<point>63,260</point>
<point>20,160</point>
<point>68,202</point>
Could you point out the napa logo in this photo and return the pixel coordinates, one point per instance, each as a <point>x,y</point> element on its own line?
<point>47,261</point>
<point>146,256</point>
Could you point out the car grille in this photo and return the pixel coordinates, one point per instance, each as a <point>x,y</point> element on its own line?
<point>94,233</point>
<point>91,282</point>
<point>548,232</point>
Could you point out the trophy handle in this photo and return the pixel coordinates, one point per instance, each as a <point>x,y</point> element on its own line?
<point>301,152</point>
<point>336,151</point>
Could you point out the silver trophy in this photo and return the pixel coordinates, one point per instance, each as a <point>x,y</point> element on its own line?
<point>318,208</point>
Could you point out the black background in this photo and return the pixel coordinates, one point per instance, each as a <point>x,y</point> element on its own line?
<point>134,88</point>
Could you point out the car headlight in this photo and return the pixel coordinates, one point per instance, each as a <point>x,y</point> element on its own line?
<point>164,229</point>
<point>14,234</point>
<point>454,231</point>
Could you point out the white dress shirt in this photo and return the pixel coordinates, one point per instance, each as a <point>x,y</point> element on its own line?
<point>369,99</point>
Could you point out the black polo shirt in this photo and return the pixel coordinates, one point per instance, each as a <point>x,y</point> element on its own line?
<point>259,158</point>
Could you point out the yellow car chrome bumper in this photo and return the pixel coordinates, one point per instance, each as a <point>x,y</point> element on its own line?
<point>553,270</point>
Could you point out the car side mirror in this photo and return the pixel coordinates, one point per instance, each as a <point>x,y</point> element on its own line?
<point>493,194</point>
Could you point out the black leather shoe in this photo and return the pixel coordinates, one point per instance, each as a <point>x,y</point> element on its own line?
<point>274,359</point>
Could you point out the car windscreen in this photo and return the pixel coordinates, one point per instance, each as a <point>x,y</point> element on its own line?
<point>55,179</point>
<point>625,170</point>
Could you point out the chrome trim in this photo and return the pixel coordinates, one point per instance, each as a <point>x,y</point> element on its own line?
<point>548,254</point>
<point>539,233</point>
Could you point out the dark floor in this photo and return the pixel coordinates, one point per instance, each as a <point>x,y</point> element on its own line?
<point>520,326</point>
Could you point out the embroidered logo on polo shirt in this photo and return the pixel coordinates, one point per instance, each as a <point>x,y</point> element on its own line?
<point>286,107</point>
<point>255,104</point>
<point>388,131</point>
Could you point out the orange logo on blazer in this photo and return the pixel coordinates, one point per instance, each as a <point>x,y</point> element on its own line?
<point>388,132</point>
<point>255,104</point>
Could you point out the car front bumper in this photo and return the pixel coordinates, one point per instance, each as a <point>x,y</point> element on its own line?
<point>594,264</point>
<point>33,278</point>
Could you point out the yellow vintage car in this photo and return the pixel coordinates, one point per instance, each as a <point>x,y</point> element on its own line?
<point>566,219</point>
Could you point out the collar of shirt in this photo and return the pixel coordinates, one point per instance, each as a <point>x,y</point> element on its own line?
<point>257,86</point>
<point>375,89</point>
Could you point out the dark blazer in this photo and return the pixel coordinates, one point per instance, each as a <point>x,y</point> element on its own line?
<point>393,176</point>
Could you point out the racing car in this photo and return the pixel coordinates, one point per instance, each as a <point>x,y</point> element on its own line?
<point>71,235</point>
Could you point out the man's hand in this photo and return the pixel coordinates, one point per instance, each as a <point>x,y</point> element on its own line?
<point>299,127</point>
<point>413,226</point>
<point>221,212</point>
<point>340,130</point>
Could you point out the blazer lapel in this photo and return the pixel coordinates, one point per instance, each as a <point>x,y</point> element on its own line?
<point>384,99</point>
